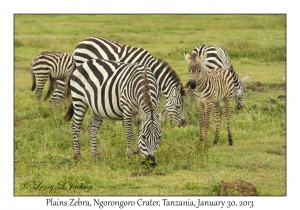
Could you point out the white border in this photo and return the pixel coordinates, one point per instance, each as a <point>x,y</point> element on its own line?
<point>8,201</point>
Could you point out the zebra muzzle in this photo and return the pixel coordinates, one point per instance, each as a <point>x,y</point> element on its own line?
<point>149,161</point>
<point>181,123</point>
<point>193,84</point>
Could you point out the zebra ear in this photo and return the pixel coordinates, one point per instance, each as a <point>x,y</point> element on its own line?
<point>176,91</point>
<point>186,91</point>
<point>202,57</point>
<point>245,79</point>
<point>162,116</point>
<point>142,115</point>
<point>187,57</point>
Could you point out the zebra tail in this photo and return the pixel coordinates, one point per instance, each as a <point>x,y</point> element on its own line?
<point>33,81</point>
<point>68,89</point>
<point>50,90</point>
<point>69,113</point>
<point>68,80</point>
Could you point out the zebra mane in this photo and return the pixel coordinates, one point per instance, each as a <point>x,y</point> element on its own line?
<point>169,69</point>
<point>194,56</point>
<point>198,59</point>
<point>51,53</point>
<point>146,92</point>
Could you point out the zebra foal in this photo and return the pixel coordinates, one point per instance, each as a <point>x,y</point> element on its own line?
<point>217,57</point>
<point>53,65</point>
<point>115,91</point>
<point>210,88</point>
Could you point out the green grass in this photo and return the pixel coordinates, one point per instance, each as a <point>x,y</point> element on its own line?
<point>43,146</point>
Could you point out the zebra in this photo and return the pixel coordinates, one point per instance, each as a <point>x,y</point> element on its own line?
<point>210,88</point>
<point>217,57</point>
<point>115,91</point>
<point>53,65</point>
<point>167,79</point>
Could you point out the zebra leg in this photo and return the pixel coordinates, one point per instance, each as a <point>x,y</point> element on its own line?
<point>80,109</point>
<point>93,128</point>
<point>58,95</point>
<point>129,135</point>
<point>208,108</point>
<point>201,119</point>
<point>137,149</point>
<point>76,132</point>
<point>56,85</point>
<point>218,115</point>
<point>40,87</point>
<point>227,117</point>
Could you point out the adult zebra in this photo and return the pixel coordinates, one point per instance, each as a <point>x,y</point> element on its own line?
<point>167,79</point>
<point>210,88</point>
<point>218,58</point>
<point>53,65</point>
<point>115,91</point>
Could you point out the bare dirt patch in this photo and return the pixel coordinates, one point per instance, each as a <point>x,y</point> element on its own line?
<point>189,123</point>
<point>148,172</point>
<point>252,163</point>
<point>256,87</point>
<point>261,87</point>
<point>273,152</point>
<point>237,187</point>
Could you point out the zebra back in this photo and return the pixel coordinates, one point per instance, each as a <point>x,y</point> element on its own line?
<point>167,79</point>
<point>57,64</point>
<point>53,65</point>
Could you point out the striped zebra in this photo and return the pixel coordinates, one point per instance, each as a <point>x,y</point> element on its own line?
<point>210,88</point>
<point>116,91</point>
<point>53,65</point>
<point>167,79</point>
<point>218,58</point>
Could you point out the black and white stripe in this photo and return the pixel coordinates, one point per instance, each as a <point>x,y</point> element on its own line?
<point>53,65</point>
<point>218,58</point>
<point>210,88</point>
<point>116,91</point>
<point>167,80</point>
<point>58,95</point>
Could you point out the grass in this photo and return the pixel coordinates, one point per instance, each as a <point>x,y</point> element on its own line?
<point>43,147</point>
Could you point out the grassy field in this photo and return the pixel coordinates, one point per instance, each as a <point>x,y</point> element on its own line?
<point>43,146</point>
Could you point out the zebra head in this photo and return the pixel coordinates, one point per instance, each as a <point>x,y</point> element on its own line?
<point>175,106</point>
<point>194,68</point>
<point>149,135</point>
<point>239,93</point>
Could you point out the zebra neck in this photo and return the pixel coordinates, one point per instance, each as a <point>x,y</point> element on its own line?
<point>166,78</point>
<point>236,79</point>
<point>203,81</point>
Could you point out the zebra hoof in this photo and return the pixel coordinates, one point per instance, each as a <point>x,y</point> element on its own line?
<point>77,157</point>
<point>95,156</point>
<point>230,143</point>
<point>215,143</point>
<point>128,155</point>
